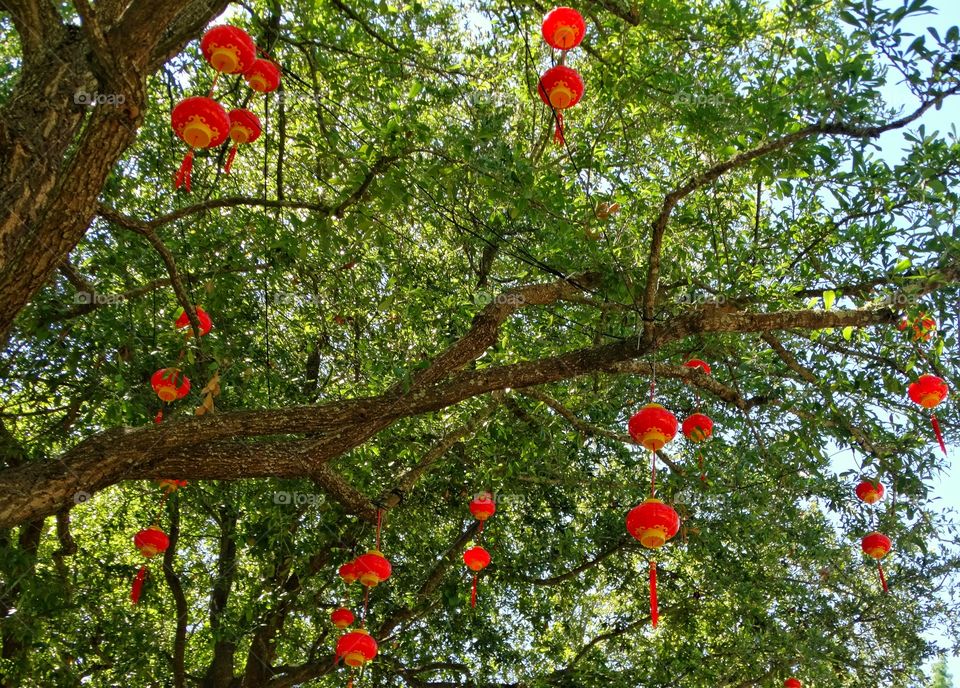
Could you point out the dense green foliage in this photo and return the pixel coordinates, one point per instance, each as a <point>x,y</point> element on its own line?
<point>417,183</point>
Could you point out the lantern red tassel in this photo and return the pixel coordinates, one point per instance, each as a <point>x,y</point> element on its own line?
<point>558,131</point>
<point>883,578</point>
<point>936,431</point>
<point>654,606</point>
<point>185,173</point>
<point>137,588</point>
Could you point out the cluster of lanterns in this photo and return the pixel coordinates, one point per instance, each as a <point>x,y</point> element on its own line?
<point>561,87</point>
<point>477,558</point>
<point>356,647</point>
<point>200,121</point>
<point>152,541</point>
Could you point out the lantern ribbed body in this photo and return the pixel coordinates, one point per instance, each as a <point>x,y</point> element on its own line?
<point>356,648</point>
<point>697,427</point>
<point>348,572</point>
<point>928,391</point>
<point>206,324</point>
<point>476,558</point>
<point>263,76</point>
<point>561,87</point>
<point>244,126</point>
<point>228,49</point>
<point>151,541</point>
<point>372,568</point>
<point>653,426</point>
<point>483,507</point>
<point>876,545</point>
<point>653,523</point>
<point>170,384</point>
<point>563,28</point>
<point>869,492</point>
<point>341,618</point>
<point>200,122</point>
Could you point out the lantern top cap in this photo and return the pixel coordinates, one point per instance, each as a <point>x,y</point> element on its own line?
<point>652,405</point>
<point>376,553</point>
<point>361,631</point>
<point>652,500</point>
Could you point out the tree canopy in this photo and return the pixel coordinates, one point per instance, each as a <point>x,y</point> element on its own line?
<point>418,296</point>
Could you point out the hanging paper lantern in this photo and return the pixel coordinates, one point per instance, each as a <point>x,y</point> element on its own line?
<point>928,391</point>
<point>341,618</point>
<point>263,76</point>
<point>696,363</point>
<point>228,49</point>
<point>877,546</point>
<point>201,123</point>
<point>151,541</point>
<point>244,128</point>
<point>483,507</point>
<point>653,523</point>
<point>792,683</point>
<point>476,558</point>
<point>372,568</point>
<point>356,648</point>
<point>170,384</point>
<point>348,572</point>
<point>560,87</point>
<point>870,492</point>
<point>653,426</point>
<point>923,327</point>
<point>563,28</point>
<point>697,427</point>
<point>206,324</point>
<point>170,485</point>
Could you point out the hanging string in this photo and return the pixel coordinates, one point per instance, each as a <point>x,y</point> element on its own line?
<point>213,84</point>
<point>379,525</point>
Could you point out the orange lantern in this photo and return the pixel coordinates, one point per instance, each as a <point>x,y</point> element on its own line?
<point>483,507</point>
<point>476,559</point>
<point>653,523</point>
<point>149,542</point>
<point>653,426</point>
<point>929,391</point>
<point>341,618</point>
<point>206,324</point>
<point>561,88</point>
<point>792,683</point>
<point>372,568</point>
<point>244,128</point>
<point>356,648</point>
<point>170,485</point>
<point>563,28</point>
<point>877,546</point>
<point>923,327</point>
<point>697,428</point>
<point>199,122</point>
<point>869,492</point>
<point>263,76</point>
<point>170,384</point>
<point>228,49</point>
<point>348,572</point>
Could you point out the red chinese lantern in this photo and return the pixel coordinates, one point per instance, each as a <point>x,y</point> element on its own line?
<point>170,485</point>
<point>792,683</point>
<point>653,426</point>
<point>563,28</point>
<point>928,391</point>
<point>263,76</point>
<point>199,122</point>
<point>206,324</point>
<point>696,363</point>
<point>869,492</point>
<point>697,427</point>
<point>348,572</point>
<point>561,88</point>
<point>372,568</point>
<point>653,523</point>
<point>877,546</point>
<point>170,384</point>
<point>149,542</point>
<point>356,648</point>
<point>483,507</point>
<point>228,49</point>
<point>476,559</point>
<point>923,327</point>
<point>341,618</point>
<point>244,128</point>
